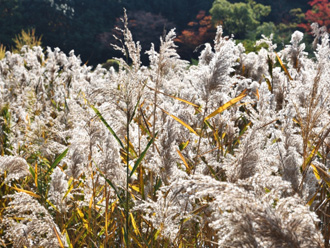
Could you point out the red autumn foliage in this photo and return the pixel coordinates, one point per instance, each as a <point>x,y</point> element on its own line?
<point>319,13</point>
<point>199,32</point>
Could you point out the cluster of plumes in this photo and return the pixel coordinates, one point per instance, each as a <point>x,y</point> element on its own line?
<point>28,224</point>
<point>241,179</point>
<point>16,167</point>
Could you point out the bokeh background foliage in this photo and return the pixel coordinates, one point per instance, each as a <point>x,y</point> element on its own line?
<point>87,26</point>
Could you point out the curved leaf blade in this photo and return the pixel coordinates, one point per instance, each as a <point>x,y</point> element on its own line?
<point>108,126</point>
<point>180,121</point>
<point>139,160</point>
<point>227,104</point>
<point>57,161</point>
<point>283,66</point>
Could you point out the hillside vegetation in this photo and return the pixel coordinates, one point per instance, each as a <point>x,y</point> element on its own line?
<point>87,26</point>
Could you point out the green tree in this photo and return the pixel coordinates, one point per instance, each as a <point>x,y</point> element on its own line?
<point>238,18</point>
<point>10,21</point>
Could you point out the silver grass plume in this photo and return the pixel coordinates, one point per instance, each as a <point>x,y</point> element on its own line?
<point>244,164</point>
<point>35,227</point>
<point>58,188</point>
<point>16,167</point>
<point>129,48</point>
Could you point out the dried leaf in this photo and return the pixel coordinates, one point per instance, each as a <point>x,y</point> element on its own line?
<point>180,121</point>
<point>227,105</point>
<point>283,66</point>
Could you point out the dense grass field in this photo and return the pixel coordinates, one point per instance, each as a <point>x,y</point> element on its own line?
<point>231,152</point>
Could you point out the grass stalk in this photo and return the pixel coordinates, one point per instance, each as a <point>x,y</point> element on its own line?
<point>200,136</point>
<point>127,176</point>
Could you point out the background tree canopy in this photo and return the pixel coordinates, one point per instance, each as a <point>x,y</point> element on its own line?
<point>82,24</point>
<point>238,18</point>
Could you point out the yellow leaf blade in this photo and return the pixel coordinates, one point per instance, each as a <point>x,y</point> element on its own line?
<point>257,94</point>
<point>136,241</point>
<point>174,97</point>
<point>180,121</point>
<point>309,158</point>
<point>58,237</point>
<point>36,174</point>
<point>136,188</point>
<point>136,230</point>
<point>82,216</point>
<point>183,145</point>
<point>71,184</point>
<point>52,205</point>
<point>158,232</point>
<point>321,174</point>
<point>184,161</point>
<point>227,105</point>
<point>27,192</point>
<point>283,66</point>
<point>316,173</point>
<point>270,88</point>
<point>310,202</point>
<point>90,203</point>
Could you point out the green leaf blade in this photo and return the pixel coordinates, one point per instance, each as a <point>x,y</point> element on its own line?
<point>139,160</point>
<point>108,126</point>
<point>57,161</point>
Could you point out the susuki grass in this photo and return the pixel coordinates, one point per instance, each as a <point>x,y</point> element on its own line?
<point>232,152</point>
